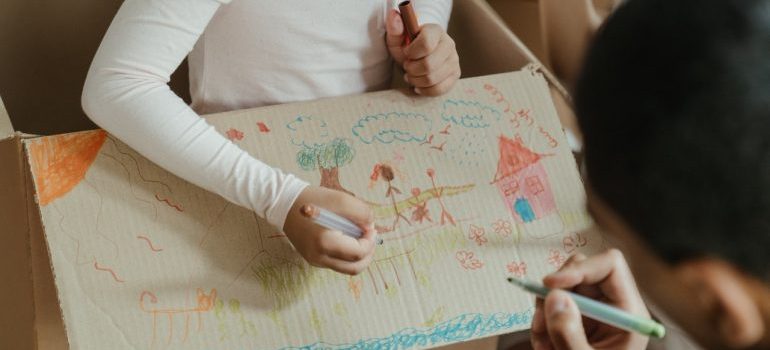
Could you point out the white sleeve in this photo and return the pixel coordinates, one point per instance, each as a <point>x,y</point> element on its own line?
<point>126,93</point>
<point>433,11</point>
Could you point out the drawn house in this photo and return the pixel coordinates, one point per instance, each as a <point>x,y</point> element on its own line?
<point>522,181</point>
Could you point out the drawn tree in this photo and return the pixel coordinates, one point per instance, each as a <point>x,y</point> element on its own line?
<point>327,158</point>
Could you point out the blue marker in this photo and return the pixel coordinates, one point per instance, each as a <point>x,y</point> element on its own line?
<point>601,312</point>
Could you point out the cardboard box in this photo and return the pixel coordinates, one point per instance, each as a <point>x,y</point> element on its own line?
<point>32,317</point>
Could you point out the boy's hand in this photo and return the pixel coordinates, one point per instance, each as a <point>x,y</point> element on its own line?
<point>557,323</point>
<point>431,62</point>
<point>328,248</point>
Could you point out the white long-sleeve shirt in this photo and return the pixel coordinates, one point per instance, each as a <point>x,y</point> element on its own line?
<point>242,53</point>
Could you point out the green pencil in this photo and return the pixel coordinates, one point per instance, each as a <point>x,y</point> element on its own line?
<point>601,312</point>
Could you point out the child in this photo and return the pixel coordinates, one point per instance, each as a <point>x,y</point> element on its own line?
<point>249,53</point>
<point>674,103</point>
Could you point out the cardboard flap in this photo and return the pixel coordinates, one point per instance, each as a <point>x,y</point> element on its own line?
<point>16,295</point>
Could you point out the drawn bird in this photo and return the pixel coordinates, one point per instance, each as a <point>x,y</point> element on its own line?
<point>440,147</point>
<point>446,130</point>
<point>429,141</point>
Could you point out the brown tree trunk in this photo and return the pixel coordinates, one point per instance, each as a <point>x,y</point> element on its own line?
<point>330,178</point>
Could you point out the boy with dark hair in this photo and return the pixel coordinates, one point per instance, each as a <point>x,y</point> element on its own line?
<point>674,103</point>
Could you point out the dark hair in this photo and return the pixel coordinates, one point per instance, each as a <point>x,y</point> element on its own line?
<point>674,104</point>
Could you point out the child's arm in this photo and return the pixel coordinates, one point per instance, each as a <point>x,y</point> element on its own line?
<point>431,62</point>
<point>126,93</point>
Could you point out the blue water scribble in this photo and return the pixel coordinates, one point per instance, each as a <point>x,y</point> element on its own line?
<point>470,114</point>
<point>392,126</point>
<point>460,328</point>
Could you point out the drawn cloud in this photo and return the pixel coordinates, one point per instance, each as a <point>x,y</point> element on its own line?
<point>469,114</point>
<point>308,131</point>
<point>391,127</point>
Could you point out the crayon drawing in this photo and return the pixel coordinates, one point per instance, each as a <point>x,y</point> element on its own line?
<point>465,189</point>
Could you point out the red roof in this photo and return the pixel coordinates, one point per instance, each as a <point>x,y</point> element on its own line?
<point>514,156</point>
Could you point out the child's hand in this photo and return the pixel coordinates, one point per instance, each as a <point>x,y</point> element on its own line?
<point>557,323</point>
<point>328,248</point>
<point>431,62</point>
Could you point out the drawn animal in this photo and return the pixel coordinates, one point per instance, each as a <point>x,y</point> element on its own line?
<point>205,302</point>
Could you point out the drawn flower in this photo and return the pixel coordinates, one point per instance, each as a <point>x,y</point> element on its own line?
<point>431,172</point>
<point>477,234</point>
<point>234,134</point>
<point>517,269</point>
<point>416,191</point>
<point>468,260</point>
<point>571,243</point>
<point>502,227</point>
<point>555,258</point>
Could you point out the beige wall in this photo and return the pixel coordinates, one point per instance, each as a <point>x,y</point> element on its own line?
<point>47,46</point>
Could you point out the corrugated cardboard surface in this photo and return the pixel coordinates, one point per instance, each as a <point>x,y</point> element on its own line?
<point>142,257</point>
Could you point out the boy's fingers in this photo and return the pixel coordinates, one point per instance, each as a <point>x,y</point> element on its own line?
<point>609,272</point>
<point>425,42</point>
<point>539,332</point>
<point>589,271</point>
<point>563,321</point>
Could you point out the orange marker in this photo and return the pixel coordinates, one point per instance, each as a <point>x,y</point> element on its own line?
<point>409,17</point>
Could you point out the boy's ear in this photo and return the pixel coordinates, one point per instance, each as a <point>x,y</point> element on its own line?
<point>723,290</point>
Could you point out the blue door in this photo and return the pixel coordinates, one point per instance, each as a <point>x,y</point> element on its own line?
<point>524,210</point>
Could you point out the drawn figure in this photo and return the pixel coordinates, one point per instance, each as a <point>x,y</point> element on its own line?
<point>477,235</point>
<point>517,269</point>
<point>234,134</point>
<point>205,303</point>
<point>555,258</point>
<point>445,216</point>
<point>327,158</point>
<point>387,173</point>
<point>420,208</point>
<point>522,181</point>
<point>468,260</point>
<point>571,243</point>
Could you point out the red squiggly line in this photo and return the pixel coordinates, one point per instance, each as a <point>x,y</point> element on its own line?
<point>551,141</point>
<point>165,200</point>
<point>150,244</point>
<point>114,275</point>
<point>500,98</point>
